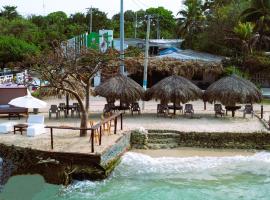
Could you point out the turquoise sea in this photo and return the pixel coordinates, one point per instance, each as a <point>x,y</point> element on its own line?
<point>142,177</point>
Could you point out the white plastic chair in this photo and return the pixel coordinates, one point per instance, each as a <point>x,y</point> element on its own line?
<point>36,125</point>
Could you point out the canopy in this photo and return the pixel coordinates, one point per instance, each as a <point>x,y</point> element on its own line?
<point>231,90</point>
<point>174,89</point>
<point>28,101</point>
<point>120,87</point>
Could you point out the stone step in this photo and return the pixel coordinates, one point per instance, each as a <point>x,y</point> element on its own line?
<point>162,146</point>
<point>163,140</point>
<point>163,135</point>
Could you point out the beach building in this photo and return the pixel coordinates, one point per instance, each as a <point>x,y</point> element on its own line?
<point>8,76</point>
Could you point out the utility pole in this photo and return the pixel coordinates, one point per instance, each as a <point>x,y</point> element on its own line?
<point>90,11</point>
<point>135,25</point>
<point>158,28</point>
<point>44,9</point>
<point>146,54</point>
<point>122,38</point>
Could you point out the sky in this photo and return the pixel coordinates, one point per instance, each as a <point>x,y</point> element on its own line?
<point>43,7</point>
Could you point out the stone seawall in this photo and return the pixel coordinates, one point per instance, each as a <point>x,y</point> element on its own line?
<point>111,156</point>
<point>158,139</point>
<point>61,167</point>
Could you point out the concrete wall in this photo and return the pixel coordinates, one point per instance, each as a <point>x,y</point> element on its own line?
<point>114,152</point>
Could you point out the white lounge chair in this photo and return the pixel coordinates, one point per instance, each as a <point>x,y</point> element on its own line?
<point>7,127</point>
<point>36,125</point>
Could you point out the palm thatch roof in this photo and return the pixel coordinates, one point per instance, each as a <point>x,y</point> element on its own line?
<point>120,87</point>
<point>231,90</point>
<point>174,89</point>
<point>172,66</point>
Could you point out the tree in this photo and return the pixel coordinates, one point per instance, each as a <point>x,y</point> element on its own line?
<point>9,12</point>
<point>72,74</point>
<point>166,20</point>
<point>191,20</point>
<point>129,16</point>
<point>99,19</point>
<point>243,36</point>
<point>15,50</point>
<point>220,18</point>
<point>259,13</point>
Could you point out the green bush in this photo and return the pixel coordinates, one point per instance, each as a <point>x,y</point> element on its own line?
<point>235,70</point>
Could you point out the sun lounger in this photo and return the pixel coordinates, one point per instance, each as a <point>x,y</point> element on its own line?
<point>219,110</point>
<point>248,110</point>
<point>35,125</point>
<point>135,108</point>
<point>7,127</point>
<point>189,109</point>
<point>162,110</point>
<point>54,110</point>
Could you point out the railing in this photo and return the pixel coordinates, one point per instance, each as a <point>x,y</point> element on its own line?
<point>96,127</point>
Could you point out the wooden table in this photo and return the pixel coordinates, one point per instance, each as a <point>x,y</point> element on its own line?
<point>232,108</point>
<point>175,108</point>
<point>20,128</point>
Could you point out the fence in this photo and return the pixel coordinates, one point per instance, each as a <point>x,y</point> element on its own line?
<point>97,127</point>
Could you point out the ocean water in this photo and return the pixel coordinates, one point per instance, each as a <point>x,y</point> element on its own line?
<point>142,177</point>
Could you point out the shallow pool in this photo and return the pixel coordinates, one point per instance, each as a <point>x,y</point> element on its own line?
<point>142,177</point>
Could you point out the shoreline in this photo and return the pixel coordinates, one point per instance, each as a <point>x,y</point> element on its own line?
<point>194,152</point>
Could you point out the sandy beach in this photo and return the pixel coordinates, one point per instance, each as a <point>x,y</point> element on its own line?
<point>69,141</point>
<point>193,152</point>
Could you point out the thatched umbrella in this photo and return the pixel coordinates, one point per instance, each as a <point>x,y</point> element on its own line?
<point>175,89</point>
<point>120,87</point>
<point>231,90</point>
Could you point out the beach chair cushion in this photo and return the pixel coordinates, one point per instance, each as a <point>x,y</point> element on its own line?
<point>35,119</point>
<point>36,129</point>
<point>35,125</point>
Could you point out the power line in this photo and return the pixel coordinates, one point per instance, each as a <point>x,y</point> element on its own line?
<point>143,4</point>
<point>139,6</point>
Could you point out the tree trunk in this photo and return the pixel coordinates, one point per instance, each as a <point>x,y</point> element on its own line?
<point>84,122</point>
<point>87,96</point>
<point>84,116</point>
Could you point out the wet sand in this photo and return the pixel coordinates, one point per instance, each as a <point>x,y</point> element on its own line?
<point>192,152</point>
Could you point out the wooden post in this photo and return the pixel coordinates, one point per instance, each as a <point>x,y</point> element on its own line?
<point>261,111</point>
<point>115,125</point>
<point>51,138</point>
<point>100,134</point>
<point>121,116</point>
<point>204,102</point>
<point>67,104</point>
<point>92,141</point>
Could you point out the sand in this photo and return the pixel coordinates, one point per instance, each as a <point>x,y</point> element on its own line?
<point>69,141</point>
<point>192,152</point>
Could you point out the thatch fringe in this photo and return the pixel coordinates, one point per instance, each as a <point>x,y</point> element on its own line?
<point>173,66</point>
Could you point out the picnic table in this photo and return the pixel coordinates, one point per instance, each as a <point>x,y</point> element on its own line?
<point>175,108</point>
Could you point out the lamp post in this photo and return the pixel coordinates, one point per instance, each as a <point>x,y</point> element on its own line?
<point>122,38</point>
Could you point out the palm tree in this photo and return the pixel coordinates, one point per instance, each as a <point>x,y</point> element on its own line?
<point>191,16</point>
<point>259,13</point>
<point>191,19</point>
<point>9,12</point>
<point>245,35</point>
